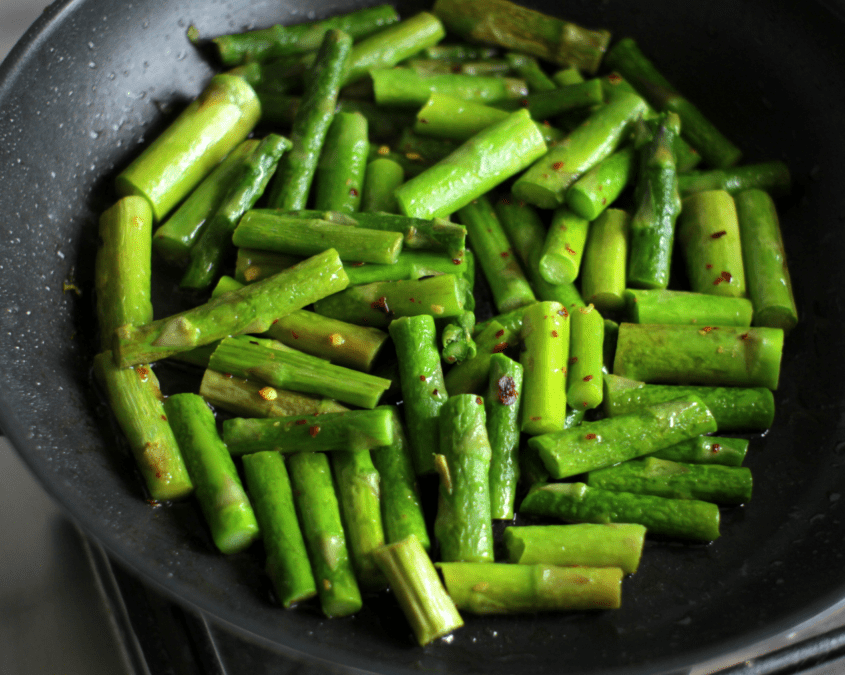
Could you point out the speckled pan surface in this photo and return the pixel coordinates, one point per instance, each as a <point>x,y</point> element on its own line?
<point>95,79</point>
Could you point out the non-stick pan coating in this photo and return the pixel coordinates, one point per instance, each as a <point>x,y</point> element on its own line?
<point>96,79</point>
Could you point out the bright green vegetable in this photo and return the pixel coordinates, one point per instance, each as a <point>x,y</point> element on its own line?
<point>501,406</point>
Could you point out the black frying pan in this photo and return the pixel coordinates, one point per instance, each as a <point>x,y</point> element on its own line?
<point>95,79</point>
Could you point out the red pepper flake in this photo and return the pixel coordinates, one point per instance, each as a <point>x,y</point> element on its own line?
<point>456,68</point>
<point>435,392</point>
<point>546,123</point>
<point>557,166</point>
<point>143,372</point>
<point>275,321</point>
<point>423,120</point>
<point>536,419</point>
<point>521,203</point>
<point>353,192</point>
<point>499,348</point>
<point>500,333</point>
<point>708,266</point>
<point>604,201</point>
<point>457,261</point>
<point>524,102</point>
<point>717,281</point>
<point>154,503</point>
<point>380,305</point>
<point>164,417</point>
<point>719,234</point>
<point>314,431</point>
<point>505,200</point>
<point>574,359</point>
<point>715,448</point>
<point>563,312</point>
<point>744,336</point>
<point>294,335</point>
<point>302,421</point>
<point>588,378</point>
<point>228,376</point>
<point>614,78</point>
<point>706,329</point>
<point>507,390</point>
<point>479,400</point>
<point>584,404</point>
<point>411,299</point>
<point>554,333</point>
<point>354,264</point>
<point>590,437</point>
<point>423,378</point>
<point>504,254</point>
<point>726,276</point>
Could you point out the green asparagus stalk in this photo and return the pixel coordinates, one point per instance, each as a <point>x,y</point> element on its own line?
<point>253,309</point>
<point>210,249</point>
<point>483,67</point>
<point>279,40</point>
<point>377,304</point>
<point>250,399</point>
<point>135,399</point>
<point>531,466</point>
<point>488,158</point>
<point>343,162</point>
<point>394,44</point>
<point>463,525</point>
<point>611,337</point>
<point>352,431</point>
<point>501,405</point>
<point>605,260</point>
<point>547,105</point>
<point>175,237</point>
<point>631,63</point>
<point>499,588</point>
<point>255,265</point>
<point>206,131</point>
<point>507,281</point>
<point>599,187</point>
<point>529,70</point>
<point>262,359</point>
<point>460,52</point>
<point>123,267</point>
<point>563,249</point>
<point>423,388</point>
<point>547,180</point>
<point>418,589</point>
<point>735,408</point>
<point>664,478</point>
<point>292,183</point>
<point>456,338</point>
<point>709,355</point>
<point>576,502</point>
<point>545,336</point>
<point>405,88</point>
<point>218,488</point>
<point>287,558</point>
<point>382,177</point>
<point>764,260</point>
<point>585,545</point>
<point>430,149</point>
<point>651,232</point>
<point>306,237</point>
<point>595,445</point>
<point>586,352</point>
<point>707,450</point>
<point>319,516</point>
<point>524,30</point>
<point>471,376</point>
<point>773,177</point>
<point>701,309</point>
<point>401,508</point>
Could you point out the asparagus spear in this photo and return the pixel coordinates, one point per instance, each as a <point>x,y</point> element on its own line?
<point>381,178</point>
<point>254,265</point>
<point>586,351</point>
<point>560,258</point>
<point>599,187</point>
<point>262,359</point>
<point>764,260</point>
<point>501,405</point>
<point>404,88</point>
<point>665,478</point>
<point>287,558</point>
<point>401,509</point>
<point>461,51</point>
<point>319,515</point>
<point>499,588</point>
<point>463,525</point>
<point>175,237</point>
<point>203,134</point>
<point>734,408</point>
<point>507,281</point>
<point>709,355</point>
<point>423,389</point>
<point>585,544</point>
<point>355,430</point>
<point>546,105</point>
<point>343,161</point>
<point>531,466</point>
<point>251,309</point>
<point>471,376</point>
<point>292,183</point>
<point>135,399</point>
<point>524,30</point>
<point>545,335</point>
<point>604,262</point>
<point>707,450</point>
<point>279,40</point>
<point>305,237</point>
<point>772,177</point>
<point>701,309</point>
<point>547,180</point>
<point>210,249</point>
<point>218,488</point>
<point>418,589</point>
<point>249,399</point>
<point>576,502</point>
<point>359,493</point>
<point>529,70</point>
<point>488,158</point>
<point>123,267</point>
<point>594,445</point>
